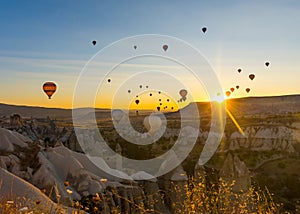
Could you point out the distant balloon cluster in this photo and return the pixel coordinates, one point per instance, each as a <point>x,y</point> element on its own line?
<point>50,87</point>
<point>162,103</point>
<point>251,77</point>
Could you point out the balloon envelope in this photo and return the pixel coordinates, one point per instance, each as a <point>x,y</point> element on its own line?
<point>232,89</point>
<point>94,42</point>
<point>227,93</point>
<point>267,64</point>
<point>247,90</point>
<point>117,114</point>
<point>137,102</point>
<point>152,123</point>
<point>204,29</point>
<point>252,76</point>
<point>239,70</point>
<point>237,87</point>
<point>49,88</point>
<point>135,47</point>
<point>165,47</point>
<point>183,92</point>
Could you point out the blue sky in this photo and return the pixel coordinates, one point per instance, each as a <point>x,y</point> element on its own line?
<point>43,40</point>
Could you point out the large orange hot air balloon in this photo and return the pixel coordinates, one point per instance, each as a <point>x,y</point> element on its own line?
<point>49,88</point>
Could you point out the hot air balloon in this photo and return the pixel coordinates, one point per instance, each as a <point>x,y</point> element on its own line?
<point>109,80</point>
<point>172,107</point>
<point>129,91</point>
<point>135,47</point>
<point>183,94</point>
<point>147,86</point>
<point>165,47</point>
<point>150,94</point>
<point>232,89</point>
<point>247,90</point>
<point>158,108</point>
<point>159,92</point>
<point>204,29</point>
<point>267,64</point>
<point>168,100</point>
<point>159,100</point>
<point>252,76</point>
<point>94,42</point>
<point>239,70</point>
<point>237,87</point>
<point>137,102</point>
<point>160,104</point>
<point>117,114</point>
<point>152,124</point>
<point>227,93</point>
<point>49,88</point>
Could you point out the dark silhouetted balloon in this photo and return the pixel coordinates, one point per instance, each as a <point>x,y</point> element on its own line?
<point>49,88</point>
<point>168,100</point>
<point>150,94</point>
<point>137,96</point>
<point>94,42</point>
<point>147,86</point>
<point>158,108</point>
<point>232,89</point>
<point>137,102</point>
<point>239,70</point>
<point>165,47</point>
<point>129,91</point>
<point>135,47</point>
<point>252,76</point>
<point>247,90</point>
<point>160,104</point>
<point>172,107</point>
<point>267,64</point>
<point>141,86</point>
<point>159,92</point>
<point>109,80</point>
<point>183,92</point>
<point>159,100</point>
<point>204,29</point>
<point>227,93</point>
<point>237,87</point>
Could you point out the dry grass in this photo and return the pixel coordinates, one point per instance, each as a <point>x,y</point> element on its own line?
<point>198,197</point>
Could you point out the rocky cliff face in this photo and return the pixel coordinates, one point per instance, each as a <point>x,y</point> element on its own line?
<point>66,176</point>
<point>264,138</point>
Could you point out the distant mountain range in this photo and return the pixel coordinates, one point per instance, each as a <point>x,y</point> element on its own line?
<point>248,105</point>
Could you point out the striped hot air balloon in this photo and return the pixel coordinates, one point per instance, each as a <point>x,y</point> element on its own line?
<point>49,88</point>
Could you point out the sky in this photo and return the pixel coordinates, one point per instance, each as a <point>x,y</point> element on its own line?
<point>50,40</point>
